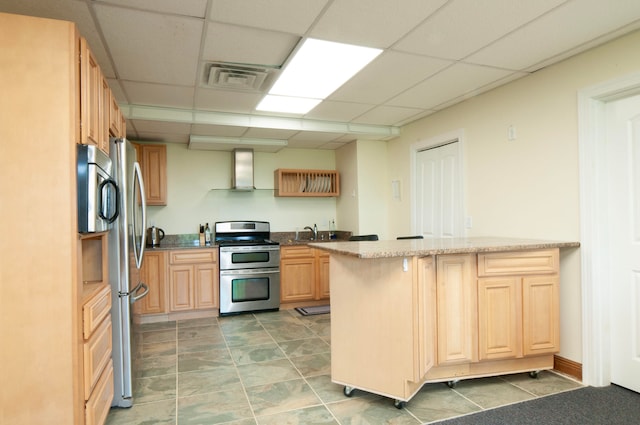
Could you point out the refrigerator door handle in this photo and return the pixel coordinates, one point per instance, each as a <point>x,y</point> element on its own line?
<point>137,177</point>
<point>134,293</point>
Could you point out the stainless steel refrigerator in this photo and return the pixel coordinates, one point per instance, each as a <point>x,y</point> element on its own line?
<point>126,252</point>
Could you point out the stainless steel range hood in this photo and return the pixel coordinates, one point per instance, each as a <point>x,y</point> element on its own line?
<point>242,178</point>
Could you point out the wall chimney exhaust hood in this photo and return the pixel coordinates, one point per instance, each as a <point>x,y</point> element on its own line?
<point>242,179</point>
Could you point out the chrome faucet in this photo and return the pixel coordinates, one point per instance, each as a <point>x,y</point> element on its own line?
<point>314,232</point>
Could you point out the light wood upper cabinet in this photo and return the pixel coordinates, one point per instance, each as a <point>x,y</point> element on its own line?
<point>91,107</point>
<point>153,162</point>
<point>306,183</point>
<point>115,118</point>
<point>304,274</point>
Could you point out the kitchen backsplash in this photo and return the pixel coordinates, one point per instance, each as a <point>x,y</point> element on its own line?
<point>284,238</point>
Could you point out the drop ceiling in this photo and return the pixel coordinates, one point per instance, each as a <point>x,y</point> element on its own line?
<point>200,67</point>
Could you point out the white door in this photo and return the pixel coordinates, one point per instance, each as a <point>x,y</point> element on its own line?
<point>438,191</point>
<point>623,156</point>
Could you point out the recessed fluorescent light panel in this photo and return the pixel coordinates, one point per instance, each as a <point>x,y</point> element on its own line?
<point>318,68</point>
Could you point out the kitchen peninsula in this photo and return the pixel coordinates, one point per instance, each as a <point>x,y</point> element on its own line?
<point>408,312</point>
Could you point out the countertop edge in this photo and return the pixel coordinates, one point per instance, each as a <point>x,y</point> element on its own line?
<point>423,248</point>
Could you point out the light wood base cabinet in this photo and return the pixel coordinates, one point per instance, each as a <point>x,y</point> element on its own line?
<point>398,323</point>
<point>304,274</point>
<point>518,304</point>
<point>193,279</point>
<point>153,273</point>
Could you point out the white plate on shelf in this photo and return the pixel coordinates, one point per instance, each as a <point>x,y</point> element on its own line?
<point>303,185</point>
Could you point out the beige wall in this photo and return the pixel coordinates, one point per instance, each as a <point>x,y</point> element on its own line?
<point>197,183</point>
<point>527,187</point>
<point>363,205</point>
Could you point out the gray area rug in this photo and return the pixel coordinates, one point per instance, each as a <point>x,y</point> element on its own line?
<point>610,405</point>
<point>310,311</point>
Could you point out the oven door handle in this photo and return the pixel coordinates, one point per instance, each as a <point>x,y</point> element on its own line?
<point>249,271</point>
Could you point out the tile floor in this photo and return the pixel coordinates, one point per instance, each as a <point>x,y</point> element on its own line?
<point>274,368</point>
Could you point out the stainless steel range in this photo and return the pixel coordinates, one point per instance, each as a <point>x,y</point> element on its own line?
<point>249,267</point>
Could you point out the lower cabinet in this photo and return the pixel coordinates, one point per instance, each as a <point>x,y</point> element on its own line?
<point>518,304</point>
<point>442,318</point>
<point>193,279</point>
<point>97,363</point>
<point>153,273</point>
<point>456,305</point>
<point>304,274</point>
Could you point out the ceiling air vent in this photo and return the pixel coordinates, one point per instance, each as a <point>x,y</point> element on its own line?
<point>229,76</point>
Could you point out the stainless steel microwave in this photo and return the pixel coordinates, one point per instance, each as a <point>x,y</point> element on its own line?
<point>97,191</point>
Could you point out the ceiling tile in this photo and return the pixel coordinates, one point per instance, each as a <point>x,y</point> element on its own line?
<point>226,100</point>
<point>446,33</point>
<point>158,94</point>
<point>373,23</point>
<point>387,76</point>
<point>314,136</point>
<point>337,111</point>
<point>550,35</point>
<point>292,16</point>
<point>217,130</point>
<point>147,126</point>
<point>116,90</point>
<point>151,47</point>
<point>243,45</point>
<point>387,115</point>
<point>453,82</point>
<point>162,137</point>
<point>194,8</point>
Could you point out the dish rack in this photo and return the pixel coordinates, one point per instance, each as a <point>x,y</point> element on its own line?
<point>306,183</point>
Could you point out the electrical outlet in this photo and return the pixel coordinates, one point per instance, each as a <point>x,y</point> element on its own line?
<point>468,222</point>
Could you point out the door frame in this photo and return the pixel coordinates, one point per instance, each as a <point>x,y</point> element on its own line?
<point>595,264</point>
<point>433,142</point>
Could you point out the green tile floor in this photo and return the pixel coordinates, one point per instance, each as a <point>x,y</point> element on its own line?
<point>275,368</point>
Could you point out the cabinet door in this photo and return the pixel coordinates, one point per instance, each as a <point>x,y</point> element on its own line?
<point>456,297</point>
<point>541,314</point>
<point>90,96</point>
<point>322,264</point>
<point>206,285</point>
<point>297,279</point>
<point>153,162</point>
<point>499,318</point>
<point>153,274</point>
<point>115,117</point>
<point>425,331</point>
<point>181,288</point>
<point>105,100</point>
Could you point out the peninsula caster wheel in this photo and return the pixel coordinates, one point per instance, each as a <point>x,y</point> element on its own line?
<point>452,384</point>
<point>399,404</point>
<point>534,374</point>
<point>348,391</point>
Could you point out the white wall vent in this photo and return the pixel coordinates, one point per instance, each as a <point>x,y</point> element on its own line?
<point>230,76</point>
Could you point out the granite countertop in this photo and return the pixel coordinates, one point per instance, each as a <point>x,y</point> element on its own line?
<point>426,247</point>
<point>192,241</point>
